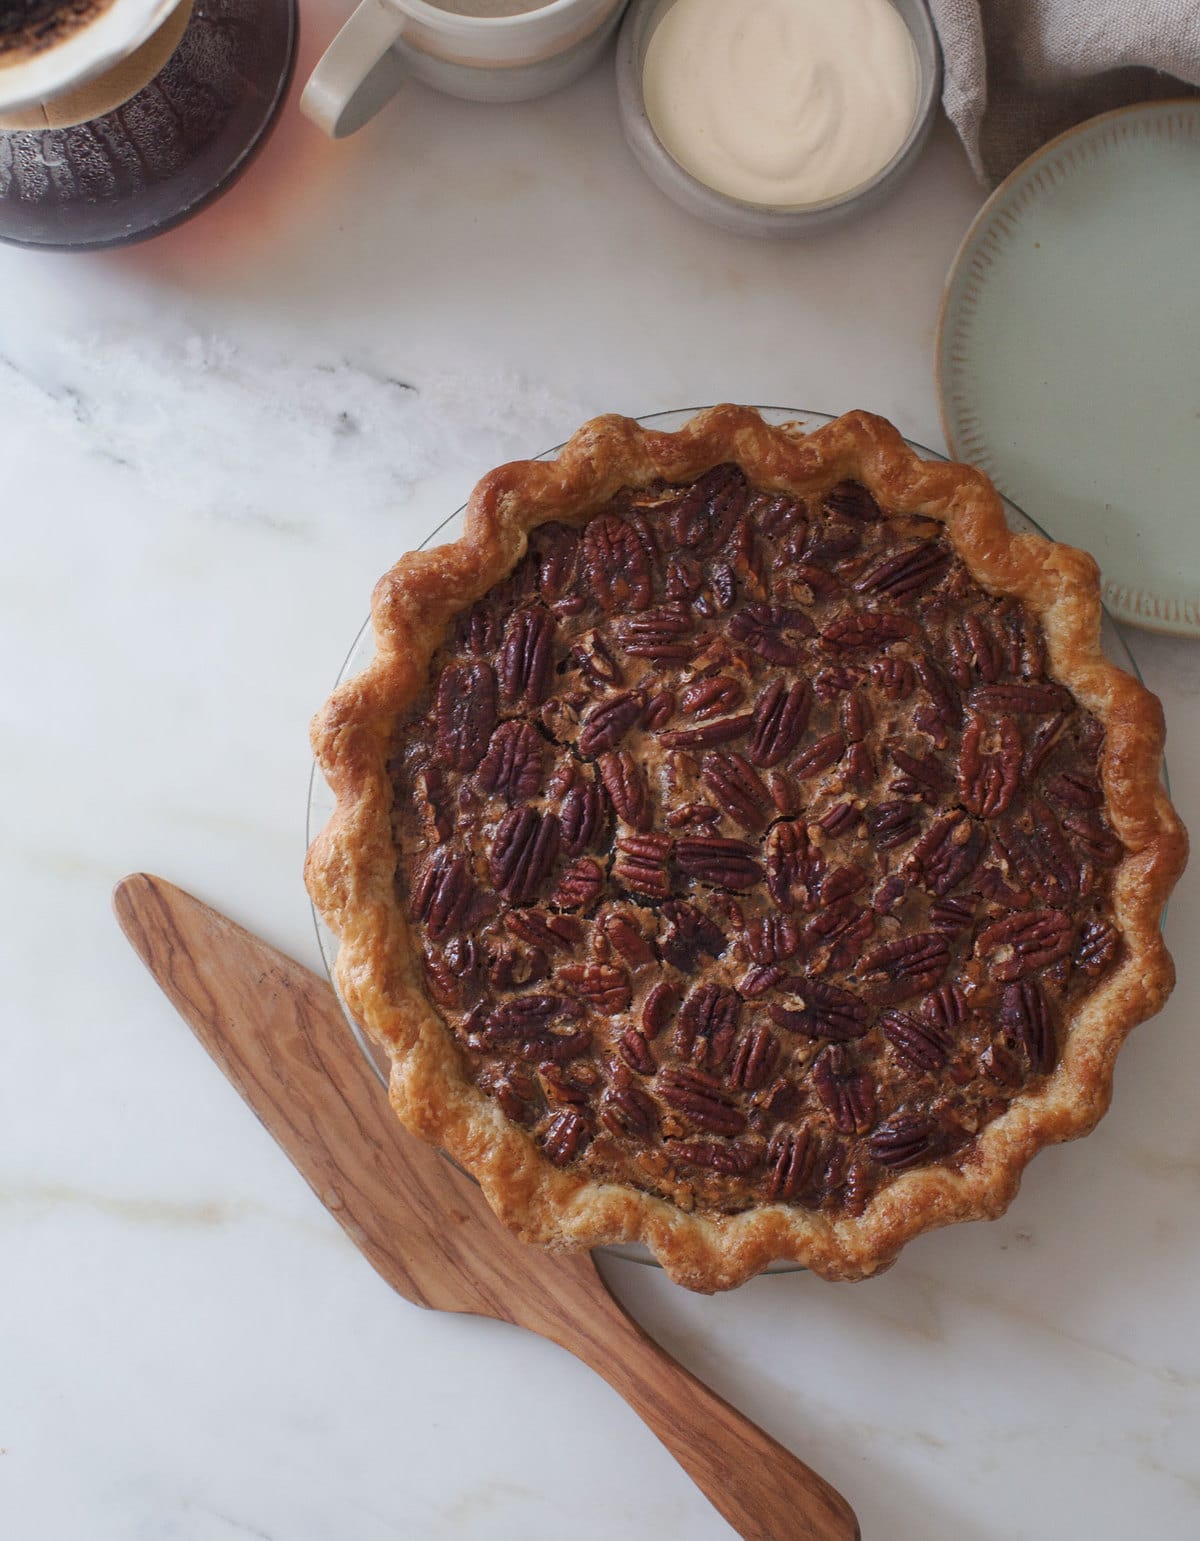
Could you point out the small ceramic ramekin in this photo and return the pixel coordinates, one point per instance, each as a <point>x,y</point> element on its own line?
<point>758,219</point>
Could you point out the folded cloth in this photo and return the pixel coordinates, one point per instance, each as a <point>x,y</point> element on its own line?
<point>1017,72</point>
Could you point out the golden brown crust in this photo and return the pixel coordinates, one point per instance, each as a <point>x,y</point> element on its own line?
<point>351,866</point>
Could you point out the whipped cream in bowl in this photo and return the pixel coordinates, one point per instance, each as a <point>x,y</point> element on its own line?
<point>777,116</point>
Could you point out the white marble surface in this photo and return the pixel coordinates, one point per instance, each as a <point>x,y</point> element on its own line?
<point>211,447</point>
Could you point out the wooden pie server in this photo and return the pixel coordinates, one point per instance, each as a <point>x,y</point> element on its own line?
<point>277,1032</point>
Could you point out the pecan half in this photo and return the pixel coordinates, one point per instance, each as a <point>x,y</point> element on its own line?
<point>593,658</point>
<point>780,516</point>
<point>729,1160</point>
<point>1023,943</point>
<point>721,730</point>
<point>689,933</point>
<point>820,1010</point>
<point>1025,1016</point>
<point>640,864</point>
<point>444,983</point>
<point>515,1089</point>
<point>1098,945</point>
<point>559,553</point>
<point>818,581</point>
<point>663,633</point>
<point>465,713</point>
<point>906,965</point>
<point>523,852</point>
<point>840,928</point>
<point>443,892</point>
<point>584,818</point>
<point>659,710</point>
<point>943,715</point>
<point>627,788</point>
<point>566,1136</point>
<point>616,564</point>
<point>792,1157</point>
<point>908,572</point>
<point>529,1037</point>
<point>754,1058</point>
<point>922,1045</point>
<point>738,789</point>
<point>512,765</point>
<point>604,986</point>
<point>707,512</point>
<point>623,934</point>
<point>780,718</point>
<point>952,915</point>
<point>1040,745</point>
<point>720,863</point>
<point>553,933</point>
<point>657,1009</point>
<point>794,866</point>
<point>926,771</point>
<point>895,677</point>
<point>946,1007</point>
<point>892,823</point>
<point>757,981</point>
<point>1030,699</point>
<point>846,1090</point>
<point>579,886</point>
<point>706,1024</point>
<point>607,724</point>
<point>988,782</point>
<point>840,818</point>
<point>1001,1065</point>
<point>701,1099</point>
<point>1075,791</point>
<point>841,882</point>
<point>771,938</point>
<point>526,660</point>
<point>818,757</point>
<point>705,698</point>
<point>1038,854</point>
<point>903,1142</point>
<point>761,629</point>
<point>833,682</point>
<point>868,628</point>
<point>635,1051</point>
<point>477,630</point>
<point>629,1110</point>
<point>513,967</point>
<point>851,500</point>
<point>948,852</point>
<point>1094,835</point>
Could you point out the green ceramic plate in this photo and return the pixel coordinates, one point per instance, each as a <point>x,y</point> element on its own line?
<point>1068,355</point>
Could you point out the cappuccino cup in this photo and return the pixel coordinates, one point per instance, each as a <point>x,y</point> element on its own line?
<point>482,50</point>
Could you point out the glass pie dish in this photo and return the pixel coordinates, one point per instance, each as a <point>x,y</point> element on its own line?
<point>321,803</point>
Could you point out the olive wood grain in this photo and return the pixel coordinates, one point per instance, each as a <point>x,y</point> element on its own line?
<point>277,1032</point>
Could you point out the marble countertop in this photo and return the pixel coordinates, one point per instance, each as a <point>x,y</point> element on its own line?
<point>212,445</point>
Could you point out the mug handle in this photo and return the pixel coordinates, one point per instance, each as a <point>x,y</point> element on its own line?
<point>358,73</point>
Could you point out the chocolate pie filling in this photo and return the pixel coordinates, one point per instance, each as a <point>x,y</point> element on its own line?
<point>752,852</point>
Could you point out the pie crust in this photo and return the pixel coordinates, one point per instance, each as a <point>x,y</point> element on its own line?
<point>358,879</point>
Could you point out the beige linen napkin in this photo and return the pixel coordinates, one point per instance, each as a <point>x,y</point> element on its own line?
<point>1017,72</point>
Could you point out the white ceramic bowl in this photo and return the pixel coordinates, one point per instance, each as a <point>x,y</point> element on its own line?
<point>755,218</point>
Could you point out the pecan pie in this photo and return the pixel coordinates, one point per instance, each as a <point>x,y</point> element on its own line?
<point>743,845</point>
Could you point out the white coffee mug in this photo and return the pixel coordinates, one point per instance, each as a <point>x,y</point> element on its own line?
<point>481,58</point>
<point>96,49</point>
